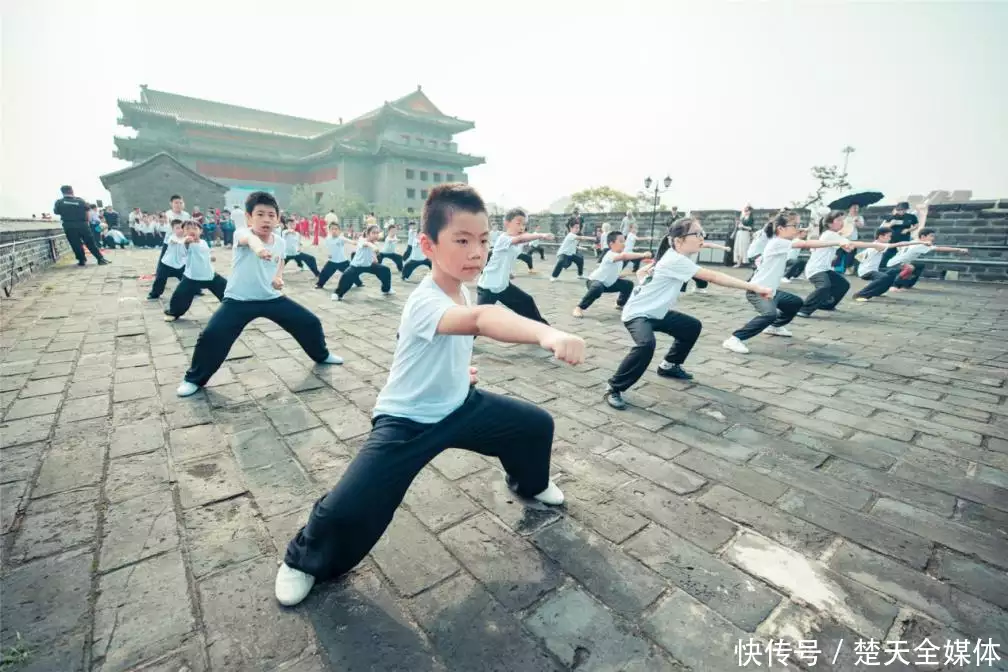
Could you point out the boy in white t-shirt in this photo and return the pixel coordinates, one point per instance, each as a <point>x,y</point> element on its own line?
<point>336,244</point>
<point>388,250</point>
<point>494,282</point>
<point>650,309</point>
<point>869,268</point>
<point>176,212</point>
<point>430,402</point>
<point>909,255</point>
<point>172,261</point>
<point>411,234</point>
<point>830,286</point>
<point>605,278</point>
<point>292,247</point>
<point>365,260</point>
<point>567,253</point>
<point>780,307</point>
<point>198,274</point>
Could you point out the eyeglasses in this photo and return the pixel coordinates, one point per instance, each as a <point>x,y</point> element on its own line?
<point>698,234</point>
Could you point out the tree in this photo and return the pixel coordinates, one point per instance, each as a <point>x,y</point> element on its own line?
<point>830,178</point>
<point>304,200</point>
<point>601,199</point>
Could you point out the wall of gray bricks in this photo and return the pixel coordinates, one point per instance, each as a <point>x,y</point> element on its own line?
<point>25,250</point>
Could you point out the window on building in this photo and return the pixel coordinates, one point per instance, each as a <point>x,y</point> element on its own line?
<point>423,175</point>
<point>450,177</point>
<point>423,193</point>
<point>410,174</point>
<point>437,177</point>
<point>409,210</point>
<point>411,193</point>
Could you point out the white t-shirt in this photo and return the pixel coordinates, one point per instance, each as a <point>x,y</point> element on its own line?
<point>625,226</point>
<point>771,268</point>
<point>238,217</point>
<point>390,244</point>
<point>908,254</point>
<point>870,260</point>
<point>660,291</point>
<point>331,218</point>
<point>631,240</point>
<point>411,238</point>
<point>495,235</point>
<point>198,265</point>
<point>364,256</point>
<point>292,242</point>
<point>757,245</point>
<point>608,270</point>
<point>429,377</point>
<point>175,255</point>
<point>171,216</point>
<point>793,254</point>
<point>416,253</point>
<point>251,278</point>
<point>569,246</point>
<point>337,248</point>
<point>854,221</point>
<point>497,274</point>
<point>821,258</point>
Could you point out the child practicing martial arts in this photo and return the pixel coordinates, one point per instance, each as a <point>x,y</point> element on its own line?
<point>365,261</point>
<point>198,274</point>
<point>335,243</point>
<point>605,278</point>
<point>292,248</point>
<point>411,235</point>
<point>879,281</point>
<point>631,240</point>
<point>414,260</point>
<point>780,307</point>
<point>911,253</point>
<point>172,261</point>
<point>430,402</point>
<point>830,286</point>
<point>253,291</point>
<point>388,250</point>
<point>567,253</point>
<point>494,283</point>
<point>651,308</point>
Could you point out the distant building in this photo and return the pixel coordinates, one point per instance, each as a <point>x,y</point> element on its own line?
<point>390,156</point>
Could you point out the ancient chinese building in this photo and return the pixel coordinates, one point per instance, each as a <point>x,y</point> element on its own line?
<point>390,156</point>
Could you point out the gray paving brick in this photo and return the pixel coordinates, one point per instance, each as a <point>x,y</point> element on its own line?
<point>734,594</point>
<point>859,454</point>
<point>711,444</point>
<point>136,475</point>
<point>224,534</point>
<point>741,478</point>
<point>987,547</point>
<point>942,602</point>
<point>490,491</point>
<point>138,528</point>
<point>56,524</point>
<point>972,576</point>
<point>211,479</point>
<point>808,581</point>
<point>622,583</point>
<point>693,633</point>
<point>191,443</point>
<point>29,430</point>
<point>600,511</point>
<point>585,635</point>
<point>65,469</point>
<point>983,493</point>
<point>511,568</point>
<point>437,502</point>
<point>828,638</point>
<point>470,630</point>
<point>884,482</point>
<point>588,468</point>
<point>655,469</point>
<point>411,556</point>
<point>775,523</point>
<point>686,518</point>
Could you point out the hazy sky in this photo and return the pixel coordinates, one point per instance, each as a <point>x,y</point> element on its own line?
<point>734,101</point>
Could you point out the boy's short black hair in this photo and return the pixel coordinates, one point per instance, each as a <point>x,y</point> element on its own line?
<point>925,232</point>
<point>513,213</point>
<point>225,211</point>
<point>66,190</point>
<point>882,230</point>
<point>613,236</point>
<point>571,225</point>
<point>174,196</point>
<point>192,222</point>
<point>446,199</point>
<point>261,198</point>
<point>176,221</point>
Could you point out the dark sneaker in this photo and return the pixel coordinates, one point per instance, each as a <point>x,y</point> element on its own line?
<point>675,371</point>
<point>615,400</point>
<point>103,262</point>
<point>805,315</point>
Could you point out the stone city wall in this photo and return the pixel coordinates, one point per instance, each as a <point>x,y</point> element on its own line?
<point>27,247</point>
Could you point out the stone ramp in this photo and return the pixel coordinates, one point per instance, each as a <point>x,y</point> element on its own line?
<point>849,483</point>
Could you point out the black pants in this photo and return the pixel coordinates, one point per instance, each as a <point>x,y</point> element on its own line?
<point>891,252</point>
<point>306,259</point>
<point>513,298</point>
<point>330,268</point>
<point>635,263</point>
<point>527,258</point>
<point>565,260</point>
<point>541,251</point>
<point>700,284</point>
<point>794,268</point>
<point>152,241</point>
<point>346,523</point>
<point>110,243</point>
<point>775,312</point>
<point>685,329</point>
<point>830,289</point>
<point>912,280</point>
<point>352,276</point>
<point>182,298</point>
<point>226,325</point>
<point>228,236</point>
<point>164,272</point>
<point>409,250</point>
<point>79,236</point>
<point>164,248</point>
<point>597,289</point>
<point>412,265</point>
<point>396,259</point>
<point>878,283</point>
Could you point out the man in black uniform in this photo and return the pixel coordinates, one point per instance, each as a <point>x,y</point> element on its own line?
<point>111,217</point>
<point>902,224</point>
<point>74,213</point>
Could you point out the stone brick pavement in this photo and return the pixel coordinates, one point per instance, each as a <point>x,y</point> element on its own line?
<point>850,483</point>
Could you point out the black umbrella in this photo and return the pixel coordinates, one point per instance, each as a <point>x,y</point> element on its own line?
<point>862,200</point>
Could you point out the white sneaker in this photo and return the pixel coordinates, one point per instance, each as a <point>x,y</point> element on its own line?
<point>551,495</point>
<point>778,331</point>
<point>390,292</point>
<point>292,585</point>
<point>552,279</point>
<point>333,359</point>
<point>735,345</point>
<point>186,389</point>
<point>336,297</point>
<point>786,281</point>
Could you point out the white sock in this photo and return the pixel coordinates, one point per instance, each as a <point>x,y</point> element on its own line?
<point>665,365</point>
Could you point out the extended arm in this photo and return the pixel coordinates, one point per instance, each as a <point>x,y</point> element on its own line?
<point>506,326</point>
<point>957,250</point>
<point>716,246</point>
<point>631,256</point>
<point>810,244</point>
<point>726,280</point>
<point>528,237</point>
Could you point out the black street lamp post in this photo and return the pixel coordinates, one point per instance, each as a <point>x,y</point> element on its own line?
<point>654,201</point>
